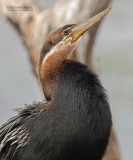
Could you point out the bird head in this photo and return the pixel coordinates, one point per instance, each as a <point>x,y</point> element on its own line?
<point>61,37</point>
<point>58,46</point>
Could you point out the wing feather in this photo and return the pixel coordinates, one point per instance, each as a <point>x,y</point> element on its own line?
<point>13,134</point>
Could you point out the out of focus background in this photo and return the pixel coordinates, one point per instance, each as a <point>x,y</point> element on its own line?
<point>114,47</point>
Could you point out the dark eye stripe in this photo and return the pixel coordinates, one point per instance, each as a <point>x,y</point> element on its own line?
<point>68,26</point>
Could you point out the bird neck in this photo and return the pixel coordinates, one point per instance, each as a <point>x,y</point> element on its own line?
<point>52,66</point>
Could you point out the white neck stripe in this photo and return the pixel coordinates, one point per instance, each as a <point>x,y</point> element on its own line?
<point>53,50</point>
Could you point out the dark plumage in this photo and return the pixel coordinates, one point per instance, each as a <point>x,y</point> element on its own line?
<point>75,126</point>
<point>75,121</point>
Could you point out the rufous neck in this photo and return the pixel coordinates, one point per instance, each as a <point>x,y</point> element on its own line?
<point>52,66</point>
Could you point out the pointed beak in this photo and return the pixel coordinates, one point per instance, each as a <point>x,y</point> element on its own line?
<point>80,29</point>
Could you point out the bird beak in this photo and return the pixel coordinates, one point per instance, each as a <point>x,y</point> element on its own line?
<point>80,29</point>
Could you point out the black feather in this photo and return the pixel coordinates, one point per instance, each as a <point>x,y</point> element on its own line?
<point>76,126</point>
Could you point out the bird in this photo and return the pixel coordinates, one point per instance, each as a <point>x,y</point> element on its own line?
<point>74,121</point>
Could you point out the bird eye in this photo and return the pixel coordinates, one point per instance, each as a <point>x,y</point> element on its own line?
<point>66,32</point>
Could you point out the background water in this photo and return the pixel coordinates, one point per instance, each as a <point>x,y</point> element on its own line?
<point>114,47</point>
